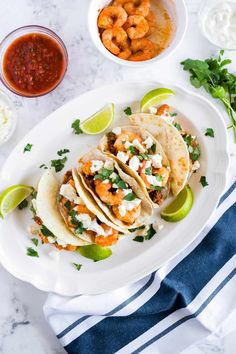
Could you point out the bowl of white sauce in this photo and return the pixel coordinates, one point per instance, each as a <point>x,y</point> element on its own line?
<point>8,117</point>
<point>217,20</point>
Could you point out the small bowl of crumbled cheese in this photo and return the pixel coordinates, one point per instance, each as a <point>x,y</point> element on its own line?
<point>8,117</point>
<point>217,21</point>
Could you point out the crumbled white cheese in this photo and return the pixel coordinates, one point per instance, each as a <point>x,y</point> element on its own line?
<point>127,191</point>
<point>92,225</point>
<point>97,165</point>
<point>148,142</point>
<point>85,219</point>
<point>34,204</point>
<point>157,227</point>
<point>122,210</point>
<point>116,130</point>
<point>139,146</point>
<point>153,181</point>
<point>106,181</point>
<point>134,163</point>
<point>167,117</point>
<point>127,144</point>
<point>69,193</point>
<point>148,163</point>
<point>113,176</point>
<point>109,165</point>
<point>153,110</point>
<point>156,160</point>
<point>196,166</point>
<point>51,239</point>
<point>34,230</point>
<point>115,186</point>
<point>128,205</point>
<point>122,156</point>
<point>61,243</point>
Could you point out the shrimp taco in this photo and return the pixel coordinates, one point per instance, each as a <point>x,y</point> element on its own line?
<point>117,194</point>
<point>52,227</point>
<point>173,145</point>
<point>82,216</point>
<point>141,156</point>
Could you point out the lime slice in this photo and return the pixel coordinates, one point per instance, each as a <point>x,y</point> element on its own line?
<point>12,197</point>
<point>180,207</point>
<point>95,252</point>
<point>155,97</point>
<point>99,121</point>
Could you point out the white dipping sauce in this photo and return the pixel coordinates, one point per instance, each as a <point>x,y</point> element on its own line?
<point>7,118</point>
<point>219,23</point>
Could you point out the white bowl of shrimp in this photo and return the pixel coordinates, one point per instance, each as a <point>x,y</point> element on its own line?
<point>137,32</point>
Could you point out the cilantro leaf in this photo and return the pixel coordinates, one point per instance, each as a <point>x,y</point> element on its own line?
<point>137,228</point>
<point>203,181</point>
<point>62,152</point>
<point>195,154</point>
<point>148,171</point>
<point>133,150</point>
<point>156,188</point>
<point>142,157</point>
<point>178,126</point>
<point>210,132</point>
<point>174,114</point>
<point>154,148</point>
<point>28,147</point>
<point>59,164</point>
<point>128,111</point>
<point>138,239</point>
<point>23,204</point>
<point>43,166</point>
<point>76,126</point>
<point>35,241</point>
<point>129,197</point>
<point>122,185</point>
<point>68,205</point>
<point>79,228</point>
<point>150,233</point>
<point>77,266</point>
<point>31,252</point>
<point>46,232</point>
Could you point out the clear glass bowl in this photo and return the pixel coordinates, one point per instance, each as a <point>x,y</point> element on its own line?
<point>19,32</point>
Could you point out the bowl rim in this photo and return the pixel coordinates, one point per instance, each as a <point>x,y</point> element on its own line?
<point>27,29</point>
<point>168,51</point>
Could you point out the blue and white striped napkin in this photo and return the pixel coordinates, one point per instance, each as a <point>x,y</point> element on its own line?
<point>164,313</point>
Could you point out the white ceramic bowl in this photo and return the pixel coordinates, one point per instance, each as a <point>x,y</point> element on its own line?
<point>178,12</point>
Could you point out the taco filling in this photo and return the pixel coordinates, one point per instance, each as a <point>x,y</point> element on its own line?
<point>81,221</point>
<point>142,157</point>
<point>103,178</point>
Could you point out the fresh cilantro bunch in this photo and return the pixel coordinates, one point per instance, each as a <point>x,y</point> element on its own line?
<point>214,77</point>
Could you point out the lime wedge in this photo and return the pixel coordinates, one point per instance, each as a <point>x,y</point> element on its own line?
<point>95,252</point>
<point>180,207</point>
<point>12,197</point>
<point>99,121</point>
<point>155,97</point>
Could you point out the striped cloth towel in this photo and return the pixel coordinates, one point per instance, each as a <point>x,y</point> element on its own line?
<point>167,311</point>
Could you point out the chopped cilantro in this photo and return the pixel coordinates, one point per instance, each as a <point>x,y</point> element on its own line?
<point>195,154</point>
<point>138,239</point>
<point>174,114</point>
<point>203,181</point>
<point>154,148</point>
<point>67,205</point>
<point>156,188</point>
<point>62,152</point>
<point>178,126</point>
<point>59,164</point>
<point>150,233</point>
<point>28,147</point>
<point>31,252</point>
<point>133,150</point>
<point>137,228</point>
<point>46,232</point>
<point>74,221</point>
<point>210,132</point>
<point>35,241</point>
<point>79,228</point>
<point>148,171</point>
<point>128,111</point>
<point>121,184</point>
<point>23,204</point>
<point>34,194</point>
<point>77,266</point>
<point>43,166</point>
<point>76,126</point>
<point>143,157</point>
<point>104,174</point>
<point>188,139</point>
<point>130,197</point>
<point>159,178</point>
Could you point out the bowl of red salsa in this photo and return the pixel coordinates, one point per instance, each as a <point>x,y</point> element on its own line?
<point>34,61</point>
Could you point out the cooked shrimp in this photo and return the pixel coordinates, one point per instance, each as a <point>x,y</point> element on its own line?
<point>82,209</point>
<point>126,136</point>
<point>103,191</point>
<point>164,109</point>
<point>107,240</point>
<point>163,172</point>
<point>151,20</point>
<point>143,175</point>
<point>87,168</point>
<point>130,217</point>
<point>136,27</point>
<point>112,16</point>
<point>125,52</point>
<point>135,7</point>
<point>142,49</point>
<point>112,38</point>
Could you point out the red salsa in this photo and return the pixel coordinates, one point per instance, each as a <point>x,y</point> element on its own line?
<point>34,64</point>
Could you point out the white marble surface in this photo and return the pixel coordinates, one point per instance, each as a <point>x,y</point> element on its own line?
<point>22,326</point>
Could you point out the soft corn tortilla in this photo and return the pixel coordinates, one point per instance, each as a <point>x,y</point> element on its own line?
<point>173,144</point>
<point>146,207</point>
<point>159,150</point>
<point>48,212</point>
